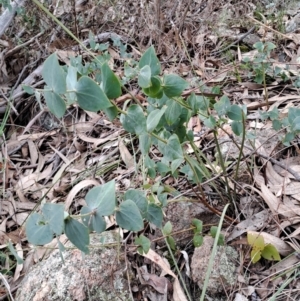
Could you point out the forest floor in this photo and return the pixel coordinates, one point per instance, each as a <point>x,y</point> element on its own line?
<point>205,42</point>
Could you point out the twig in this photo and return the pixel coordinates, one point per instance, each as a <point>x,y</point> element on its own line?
<point>235,42</point>
<point>17,48</point>
<point>270,28</point>
<point>183,17</point>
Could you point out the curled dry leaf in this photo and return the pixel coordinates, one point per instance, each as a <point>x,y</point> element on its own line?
<point>76,189</point>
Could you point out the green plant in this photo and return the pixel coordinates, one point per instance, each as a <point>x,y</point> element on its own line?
<point>291,123</point>
<point>261,249</point>
<point>161,124</point>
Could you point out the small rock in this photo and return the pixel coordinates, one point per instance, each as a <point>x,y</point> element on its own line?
<point>97,276</point>
<point>223,273</point>
<point>181,214</point>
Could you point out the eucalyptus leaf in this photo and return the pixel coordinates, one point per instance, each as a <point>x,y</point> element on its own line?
<point>173,111</point>
<point>110,82</point>
<point>154,118</point>
<point>144,244</point>
<point>145,143</point>
<point>167,229</point>
<point>173,85</point>
<point>237,127</point>
<point>155,90</point>
<point>139,198</point>
<point>90,97</point>
<point>235,113</point>
<point>78,234</point>
<point>14,253</point>
<point>54,214</point>
<point>102,198</point>
<point>173,149</point>
<point>128,216</point>
<point>55,103</point>
<point>149,58</point>
<point>111,112</point>
<point>28,89</point>
<point>94,221</point>
<point>154,215</point>
<point>222,106</point>
<point>144,77</point>
<point>134,121</point>
<point>71,84</point>
<point>38,230</point>
<point>175,164</point>
<point>54,75</point>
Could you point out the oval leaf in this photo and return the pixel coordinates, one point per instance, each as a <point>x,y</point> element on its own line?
<point>78,234</point>
<point>139,198</point>
<point>173,85</point>
<point>110,82</point>
<point>55,103</point>
<point>150,58</point>
<point>144,78</point>
<point>235,113</point>
<point>270,253</point>
<point>154,118</point>
<point>90,97</point>
<point>102,198</point>
<point>94,221</point>
<point>38,231</point>
<point>54,75</point>
<point>54,215</point>
<point>128,216</point>
<point>173,111</point>
<point>154,215</point>
<point>134,121</point>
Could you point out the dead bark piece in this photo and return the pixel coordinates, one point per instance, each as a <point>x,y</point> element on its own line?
<point>8,15</point>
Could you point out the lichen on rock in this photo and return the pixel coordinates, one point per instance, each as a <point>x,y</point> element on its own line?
<point>97,276</point>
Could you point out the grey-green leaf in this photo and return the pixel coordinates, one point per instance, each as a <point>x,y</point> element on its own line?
<point>235,113</point>
<point>144,242</point>
<point>102,198</point>
<point>173,111</point>
<point>110,82</point>
<point>128,216</point>
<point>37,230</point>
<point>145,143</point>
<point>139,198</point>
<point>154,118</point>
<point>78,234</point>
<point>173,85</point>
<point>55,103</point>
<point>14,252</point>
<point>94,221</point>
<point>144,77</point>
<point>154,215</point>
<point>71,84</point>
<point>54,75</point>
<point>134,121</point>
<point>149,58</point>
<point>54,215</point>
<point>90,96</point>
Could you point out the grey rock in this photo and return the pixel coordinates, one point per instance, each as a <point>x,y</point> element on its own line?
<point>97,276</point>
<point>223,275</point>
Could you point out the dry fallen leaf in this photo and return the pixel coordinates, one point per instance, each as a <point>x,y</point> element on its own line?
<point>178,294</point>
